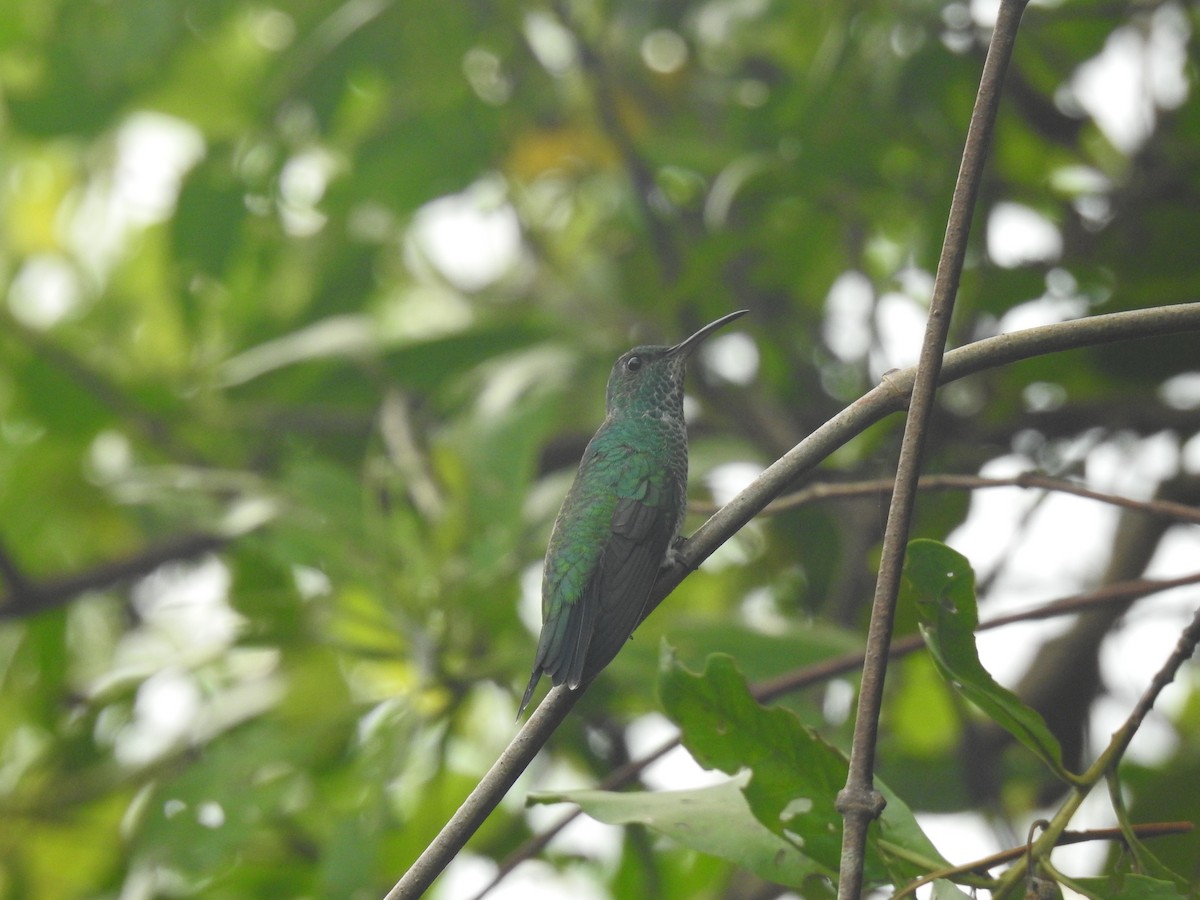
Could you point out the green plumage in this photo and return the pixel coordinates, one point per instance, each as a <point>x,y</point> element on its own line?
<point>620,517</point>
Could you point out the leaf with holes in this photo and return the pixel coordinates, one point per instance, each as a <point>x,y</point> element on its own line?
<point>794,775</point>
<point>940,582</point>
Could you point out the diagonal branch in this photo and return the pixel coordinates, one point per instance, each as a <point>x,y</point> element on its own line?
<point>1066,839</point>
<point>495,784</point>
<point>1107,762</point>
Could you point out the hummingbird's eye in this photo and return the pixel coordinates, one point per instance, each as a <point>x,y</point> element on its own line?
<point>633,364</point>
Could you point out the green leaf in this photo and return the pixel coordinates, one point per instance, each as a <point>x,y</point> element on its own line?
<point>1130,887</point>
<point>941,583</point>
<point>1164,792</point>
<point>714,820</point>
<point>795,776</point>
<point>948,890</point>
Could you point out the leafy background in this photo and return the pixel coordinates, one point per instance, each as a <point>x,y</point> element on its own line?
<point>308,313</point>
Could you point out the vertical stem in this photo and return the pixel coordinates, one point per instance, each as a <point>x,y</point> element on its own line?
<point>858,802</point>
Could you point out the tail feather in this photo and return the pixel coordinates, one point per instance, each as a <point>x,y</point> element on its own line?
<point>533,680</point>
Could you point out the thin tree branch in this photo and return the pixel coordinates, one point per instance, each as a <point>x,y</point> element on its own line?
<point>817,493</point>
<point>38,597</point>
<point>859,802</point>
<point>1106,763</point>
<point>1185,648</point>
<point>1120,593</point>
<point>1143,831</point>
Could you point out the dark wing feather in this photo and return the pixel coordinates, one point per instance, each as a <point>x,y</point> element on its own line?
<point>643,526</point>
<point>600,567</point>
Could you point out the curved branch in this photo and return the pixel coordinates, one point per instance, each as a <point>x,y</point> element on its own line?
<point>892,396</point>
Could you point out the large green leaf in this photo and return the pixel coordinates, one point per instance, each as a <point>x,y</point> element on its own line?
<point>941,583</point>
<point>794,775</point>
<point>1131,887</point>
<point>714,820</point>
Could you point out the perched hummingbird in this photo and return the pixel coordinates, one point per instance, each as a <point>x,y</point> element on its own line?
<point>621,517</point>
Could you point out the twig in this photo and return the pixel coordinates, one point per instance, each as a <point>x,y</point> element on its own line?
<point>1146,830</point>
<point>41,596</point>
<point>1120,593</point>
<point>817,493</point>
<point>1185,647</point>
<point>1107,762</point>
<point>859,802</point>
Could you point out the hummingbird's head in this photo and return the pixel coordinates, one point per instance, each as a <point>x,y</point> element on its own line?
<point>648,380</point>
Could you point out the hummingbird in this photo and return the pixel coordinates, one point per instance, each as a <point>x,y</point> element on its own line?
<point>620,521</point>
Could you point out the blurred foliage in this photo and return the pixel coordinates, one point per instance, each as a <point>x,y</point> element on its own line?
<point>308,310</point>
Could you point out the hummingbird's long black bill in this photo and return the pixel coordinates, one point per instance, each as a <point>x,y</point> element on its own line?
<point>690,344</point>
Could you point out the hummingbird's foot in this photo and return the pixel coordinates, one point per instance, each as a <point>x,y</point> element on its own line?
<point>674,553</point>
